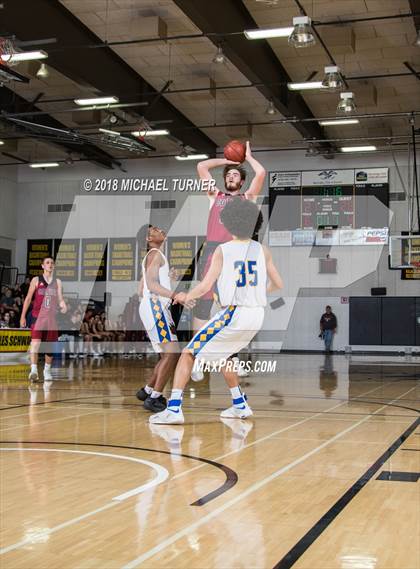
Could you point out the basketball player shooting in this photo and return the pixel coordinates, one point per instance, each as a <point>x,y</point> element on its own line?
<point>245,272</point>
<point>234,176</point>
<point>47,293</point>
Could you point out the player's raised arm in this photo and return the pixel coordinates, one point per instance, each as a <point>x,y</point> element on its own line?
<point>203,170</point>
<point>210,278</point>
<point>28,300</point>
<point>153,263</point>
<point>258,181</point>
<point>275,281</point>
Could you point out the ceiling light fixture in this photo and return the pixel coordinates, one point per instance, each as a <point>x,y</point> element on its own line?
<point>219,56</point>
<point>192,157</point>
<point>145,133</point>
<point>23,56</point>
<point>332,80</point>
<point>358,148</point>
<point>44,165</point>
<point>416,42</point>
<point>113,118</point>
<point>43,71</point>
<point>110,132</point>
<point>271,109</point>
<point>269,33</point>
<point>96,101</point>
<point>334,122</point>
<point>302,34</point>
<point>1,143</point>
<point>346,104</point>
<point>305,86</point>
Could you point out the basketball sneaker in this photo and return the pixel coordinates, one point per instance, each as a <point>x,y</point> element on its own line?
<point>155,404</point>
<point>142,394</point>
<point>197,375</point>
<point>33,376</point>
<point>234,412</point>
<point>168,417</point>
<point>47,375</point>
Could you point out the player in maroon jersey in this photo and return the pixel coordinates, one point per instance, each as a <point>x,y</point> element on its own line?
<point>47,294</point>
<point>234,177</point>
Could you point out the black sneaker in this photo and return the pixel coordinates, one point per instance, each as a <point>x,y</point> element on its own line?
<point>156,405</point>
<point>141,394</point>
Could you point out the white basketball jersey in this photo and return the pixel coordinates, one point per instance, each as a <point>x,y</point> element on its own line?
<point>164,279</point>
<point>243,280</point>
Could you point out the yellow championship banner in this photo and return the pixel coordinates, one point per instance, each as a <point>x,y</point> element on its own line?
<point>14,340</point>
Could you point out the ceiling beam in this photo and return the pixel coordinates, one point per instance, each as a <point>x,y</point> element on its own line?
<point>101,69</point>
<point>11,102</point>
<point>254,59</point>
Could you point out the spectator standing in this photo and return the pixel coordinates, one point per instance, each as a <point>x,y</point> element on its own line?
<point>328,327</point>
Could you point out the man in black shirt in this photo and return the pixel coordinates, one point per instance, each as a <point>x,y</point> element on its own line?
<point>328,325</point>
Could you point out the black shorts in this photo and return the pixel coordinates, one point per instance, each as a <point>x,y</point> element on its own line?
<point>202,309</point>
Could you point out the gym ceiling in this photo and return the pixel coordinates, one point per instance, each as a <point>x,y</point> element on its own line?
<point>157,58</point>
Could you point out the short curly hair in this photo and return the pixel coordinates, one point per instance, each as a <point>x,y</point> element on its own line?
<point>242,218</point>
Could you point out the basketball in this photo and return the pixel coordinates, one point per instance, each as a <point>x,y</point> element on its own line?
<point>235,151</point>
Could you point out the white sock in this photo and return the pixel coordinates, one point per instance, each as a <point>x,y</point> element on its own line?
<point>175,401</point>
<point>148,390</point>
<point>47,367</point>
<point>34,368</point>
<point>155,394</point>
<point>236,392</point>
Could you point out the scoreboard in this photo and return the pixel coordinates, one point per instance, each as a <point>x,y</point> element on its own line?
<point>348,199</point>
<point>327,205</point>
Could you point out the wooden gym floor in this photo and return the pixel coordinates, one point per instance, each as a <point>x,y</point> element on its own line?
<point>324,476</point>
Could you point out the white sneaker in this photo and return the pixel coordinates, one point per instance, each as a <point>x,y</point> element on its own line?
<point>47,375</point>
<point>33,376</point>
<point>197,375</point>
<point>167,417</point>
<point>237,413</point>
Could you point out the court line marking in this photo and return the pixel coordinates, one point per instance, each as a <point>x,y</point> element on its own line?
<point>99,510</point>
<point>52,408</point>
<point>305,542</point>
<point>262,439</point>
<point>253,488</point>
<point>36,423</point>
<point>162,475</point>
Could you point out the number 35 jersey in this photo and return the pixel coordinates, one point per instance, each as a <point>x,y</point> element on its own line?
<point>243,280</point>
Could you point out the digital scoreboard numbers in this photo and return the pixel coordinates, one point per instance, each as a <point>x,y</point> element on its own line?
<point>348,199</point>
<point>328,206</point>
